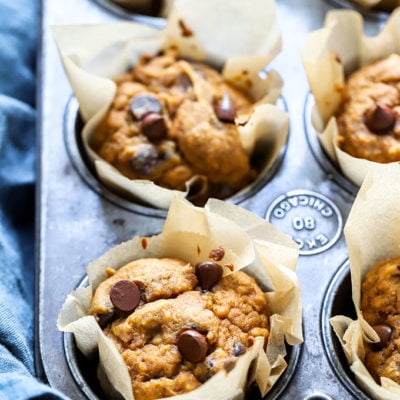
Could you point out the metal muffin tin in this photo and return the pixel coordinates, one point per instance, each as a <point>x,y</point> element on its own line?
<point>79,219</point>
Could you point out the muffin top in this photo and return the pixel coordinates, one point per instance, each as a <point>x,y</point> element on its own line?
<point>175,324</point>
<point>369,118</point>
<point>172,120</point>
<point>380,305</point>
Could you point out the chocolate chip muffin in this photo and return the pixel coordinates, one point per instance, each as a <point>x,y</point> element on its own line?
<point>380,304</point>
<point>369,119</point>
<point>176,324</point>
<point>172,120</point>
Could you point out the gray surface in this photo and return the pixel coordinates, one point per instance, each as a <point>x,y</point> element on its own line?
<point>76,225</point>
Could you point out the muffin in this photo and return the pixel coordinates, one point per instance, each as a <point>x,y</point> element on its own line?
<point>172,120</point>
<point>380,292</point>
<point>369,118</point>
<point>354,80</point>
<point>176,324</point>
<point>192,311</point>
<point>214,72</point>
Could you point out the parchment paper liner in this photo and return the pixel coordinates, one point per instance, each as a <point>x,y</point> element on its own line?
<point>342,36</point>
<point>240,40</point>
<point>372,234</point>
<point>189,233</point>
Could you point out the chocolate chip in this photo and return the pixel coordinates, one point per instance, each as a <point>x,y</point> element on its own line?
<point>208,273</point>
<point>225,109</point>
<point>217,254</point>
<point>192,345</point>
<point>145,159</point>
<point>144,103</point>
<point>153,126</point>
<point>385,333</point>
<point>238,349</point>
<point>105,319</point>
<point>379,119</point>
<point>125,295</point>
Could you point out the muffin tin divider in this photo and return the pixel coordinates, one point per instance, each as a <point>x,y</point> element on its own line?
<point>76,224</point>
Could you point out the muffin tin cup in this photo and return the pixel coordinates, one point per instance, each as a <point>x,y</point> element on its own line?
<point>150,18</point>
<point>338,301</point>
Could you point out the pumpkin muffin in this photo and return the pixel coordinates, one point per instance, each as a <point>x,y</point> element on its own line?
<point>172,120</point>
<point>369,119</point>
<point>380,305</point>
<point>175,324</point>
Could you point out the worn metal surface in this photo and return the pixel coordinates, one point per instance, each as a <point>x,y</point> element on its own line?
<point>78,219</point>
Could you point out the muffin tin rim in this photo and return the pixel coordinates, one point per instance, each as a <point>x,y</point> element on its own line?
<point>376,15</point>
<point>121,12</point>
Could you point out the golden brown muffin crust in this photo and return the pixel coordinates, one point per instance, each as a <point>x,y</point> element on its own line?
<point>380,304</point>
<point>229,316</point>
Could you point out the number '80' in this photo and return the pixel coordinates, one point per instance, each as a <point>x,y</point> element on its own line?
<point>300,223</point>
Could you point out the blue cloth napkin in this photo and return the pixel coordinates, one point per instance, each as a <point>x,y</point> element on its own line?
<point>18,35</point>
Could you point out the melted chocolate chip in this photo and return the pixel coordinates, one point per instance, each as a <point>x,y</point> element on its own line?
<point>144,103</point>
<point>238,349</point>
<point>145,159</point>
<point>125,295</point>
<point>192,346</point>
<point>208,273</point>
<point>225,109</point>
<point>379,119</point>
<point>385,333</point>
<point>153,126</point>
<point>105,319</point>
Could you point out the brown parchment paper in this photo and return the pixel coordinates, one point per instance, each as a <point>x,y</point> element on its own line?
<point>251,244</point>
<point>240,40</point>
<point>372,234</point>
<point>329,55</point>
